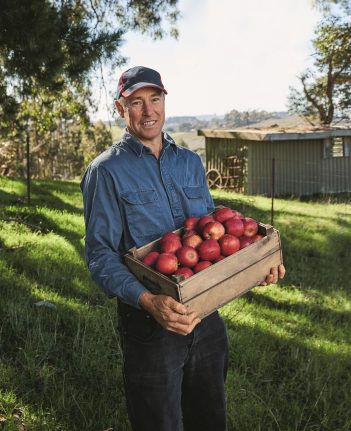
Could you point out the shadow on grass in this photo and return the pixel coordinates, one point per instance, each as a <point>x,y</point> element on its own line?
<point>34,219</point>
<point>288,384</point>
<point>322,262</point>
<point>281,384</point>
<point>68,360</point>
<point>66,275</point>
<point>63,361</point>
<point>312,312</point>
<point>7,198</point>
<point>337,198</point>
<point>63,358</point>
<point>43,193</point>
<point>45,264</point>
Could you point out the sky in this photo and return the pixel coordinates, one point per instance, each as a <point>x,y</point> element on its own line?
<point>230,54</point>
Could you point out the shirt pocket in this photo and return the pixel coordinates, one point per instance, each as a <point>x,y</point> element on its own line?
<point>142,210</point>
<point>195,200</point>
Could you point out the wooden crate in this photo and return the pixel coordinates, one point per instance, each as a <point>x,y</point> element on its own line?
<point>218,284</point>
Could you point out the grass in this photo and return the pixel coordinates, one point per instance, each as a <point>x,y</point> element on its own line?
<point>190,139</point>
<point>60,362</point>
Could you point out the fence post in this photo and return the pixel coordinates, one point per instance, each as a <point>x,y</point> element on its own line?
<point>28,163</point>
<point>272,190</point>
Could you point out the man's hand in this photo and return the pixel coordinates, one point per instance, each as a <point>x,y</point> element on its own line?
<point>274,275</point>
<point>169,313</point>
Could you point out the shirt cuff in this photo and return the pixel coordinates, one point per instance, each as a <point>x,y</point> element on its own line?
<point>132,294</point>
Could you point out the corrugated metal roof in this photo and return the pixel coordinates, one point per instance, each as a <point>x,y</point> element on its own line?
<point>271,135</point>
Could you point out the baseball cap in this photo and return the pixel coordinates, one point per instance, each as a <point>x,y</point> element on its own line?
<point>138,77</point>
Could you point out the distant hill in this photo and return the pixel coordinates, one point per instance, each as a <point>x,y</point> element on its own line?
<point>189,123</point>
<point>189,118</point>
<point>181,119</point>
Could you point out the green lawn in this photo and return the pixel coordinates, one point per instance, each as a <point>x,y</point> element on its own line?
<point>60,361</point>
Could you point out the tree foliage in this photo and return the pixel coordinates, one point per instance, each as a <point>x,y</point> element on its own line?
<point>45,43</point>
<point>61,137</point>
<point>326,88</point>
<point>49,49</point>
<point>236,118</point>
<point>326,5</point>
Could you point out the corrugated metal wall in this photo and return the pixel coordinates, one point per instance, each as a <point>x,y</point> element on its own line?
<point>299,166</point>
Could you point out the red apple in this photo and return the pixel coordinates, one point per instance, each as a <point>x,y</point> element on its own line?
<point>229,244</point>
<point>190,223</point>
<point>223,214</point>
<point>209,249</point>
<point>189,233</point>
<point>245,241</point>
<point>171,244</point>
<point>256,237</point>
<point>151,258</point>
<point>193,240</point>
<point>187,256</point>
<point>237,214</point>
<point>187,272</point>
<point>202,221</point>
<point>169,235</point>
<point>167,263</point>
<point>213,230</point>
<point>250,226</point>
<point>201,265</point>
<point>234,226</point>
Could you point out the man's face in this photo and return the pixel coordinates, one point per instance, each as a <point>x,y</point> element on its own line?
<point>144,114</point>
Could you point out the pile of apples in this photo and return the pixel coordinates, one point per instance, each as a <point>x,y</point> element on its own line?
<point>203,242</point>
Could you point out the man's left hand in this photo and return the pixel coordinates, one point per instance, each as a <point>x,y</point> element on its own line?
<point>275,274</point>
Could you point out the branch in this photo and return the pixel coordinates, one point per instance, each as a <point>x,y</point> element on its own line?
<point>96,14</point>
<point>312,100</point>
<point>105,89</point>
<point>329,93</point>
<point>342,79</point>
<point>37,147</point>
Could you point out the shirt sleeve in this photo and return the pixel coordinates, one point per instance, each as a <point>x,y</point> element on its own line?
<point>104,230</point>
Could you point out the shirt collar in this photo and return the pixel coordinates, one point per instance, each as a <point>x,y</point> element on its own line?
<point>138,147</point>
<point>169,141</point>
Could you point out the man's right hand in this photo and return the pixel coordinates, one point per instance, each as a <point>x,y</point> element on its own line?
<point>169,313</point>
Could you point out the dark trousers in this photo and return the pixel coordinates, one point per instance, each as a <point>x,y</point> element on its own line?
<point>170,378</point>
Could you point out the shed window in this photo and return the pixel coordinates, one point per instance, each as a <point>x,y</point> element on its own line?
<point>339,146</point>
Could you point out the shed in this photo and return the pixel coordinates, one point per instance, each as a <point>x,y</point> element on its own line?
<point>297,162</point>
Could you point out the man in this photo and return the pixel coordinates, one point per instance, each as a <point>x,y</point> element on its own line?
<point>174,365</point>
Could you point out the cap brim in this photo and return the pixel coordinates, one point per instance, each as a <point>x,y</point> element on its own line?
<point>140,85</point>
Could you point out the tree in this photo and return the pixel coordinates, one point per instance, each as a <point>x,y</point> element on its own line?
<point>48,42</point>
<point>96,139</point>
<point>236,118</point>
<point>326,5</point>
<point>56,121</point>
<point>326,89</point>
<point>48,52</point>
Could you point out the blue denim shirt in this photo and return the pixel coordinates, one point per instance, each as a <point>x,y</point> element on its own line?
<point>131,198</point>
